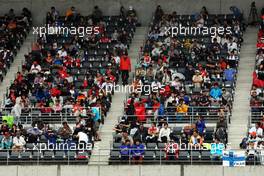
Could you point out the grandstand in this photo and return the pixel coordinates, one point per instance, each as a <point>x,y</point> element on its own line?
<point>131,87</point>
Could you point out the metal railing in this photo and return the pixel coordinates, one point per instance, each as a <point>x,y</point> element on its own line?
<point>209,114</point>
<point>155,156</point>
<point>255,114</point>
<point>30,114</point>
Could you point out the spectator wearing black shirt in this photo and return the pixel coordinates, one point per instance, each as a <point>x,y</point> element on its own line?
<point>97,15</point>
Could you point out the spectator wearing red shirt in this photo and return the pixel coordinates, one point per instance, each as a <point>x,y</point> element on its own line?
<point>140,111</point>
<point>153,133</point>
<point>55,91</point>
<point>172,150</point>
<point>125,68</point>
<point>260,44</point>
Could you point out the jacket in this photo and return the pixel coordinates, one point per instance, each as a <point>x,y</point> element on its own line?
<point>125,64</point>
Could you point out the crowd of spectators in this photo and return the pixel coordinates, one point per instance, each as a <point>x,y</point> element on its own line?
<point>254,141</point>
<point>66,73</point>
<point>186,71</point>
<point>185,74</point>
<point>13,30</point>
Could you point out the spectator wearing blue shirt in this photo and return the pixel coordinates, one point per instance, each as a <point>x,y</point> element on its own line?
<point>200,125</point>
<point>97,120</point>
<point>236,11</point>
<point>229,73</point>
<point>216,92</point>
<point>138,150</point>
<point>125,150</point>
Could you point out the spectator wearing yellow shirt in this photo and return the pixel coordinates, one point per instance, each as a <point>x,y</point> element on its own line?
<point>182,108</point>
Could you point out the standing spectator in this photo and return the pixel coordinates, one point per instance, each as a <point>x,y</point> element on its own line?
<point>197,80</point>
<point>158,13</point>
<point>97,14</point>
<point>200,125</point>
<point>16,111</point>
<point>125,68</point>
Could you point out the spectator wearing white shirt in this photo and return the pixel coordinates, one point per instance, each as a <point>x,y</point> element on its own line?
<point>35,68</point>
<point>62,53</point>
<point>257,130</point>
<point>164,134</point>
<point>231,46</point>
<point>83,139</point>
<point>18,143</point>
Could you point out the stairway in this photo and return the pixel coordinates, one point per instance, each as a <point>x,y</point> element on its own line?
<point>16,65</point>
<point>101,150</point>
<point>240,115</point>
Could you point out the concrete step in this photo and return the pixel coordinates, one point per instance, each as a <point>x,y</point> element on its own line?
<point>239,120</point>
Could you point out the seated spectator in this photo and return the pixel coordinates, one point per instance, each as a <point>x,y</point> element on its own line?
<point>182,109</point>
<point>153,133</point>
<point>196,140</point>
<point>83,139</point>
<point>229,74</point>
<point>6,141</point>
<point>172,150</point>
<point>125,150</point>
<point>33,134</point>
<point>217,149</point>
<point>126,137</point>
<point>18,143</point>
<point>51,136</point>
<point>65,132</point>
<point>4,127</point>
<point>226,97</point>
<point>140,134</point>
<point>216,92</point>
<point>35,68</point>
<point>164,134</point>
<point>138,150</point>
<point>257,130</point>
